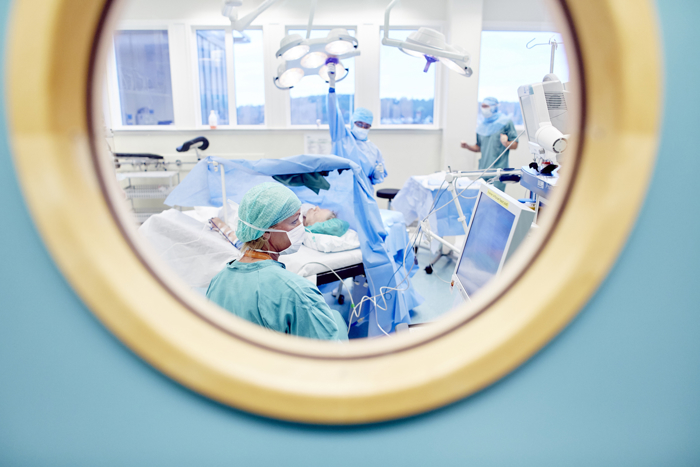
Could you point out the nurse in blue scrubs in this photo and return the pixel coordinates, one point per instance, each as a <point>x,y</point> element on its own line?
<point>493,135</point>
<point>353,144</point>
<point>257,287</point>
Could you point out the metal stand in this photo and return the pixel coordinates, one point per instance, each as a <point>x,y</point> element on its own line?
<point>450,178</point>
<point>224,202</point>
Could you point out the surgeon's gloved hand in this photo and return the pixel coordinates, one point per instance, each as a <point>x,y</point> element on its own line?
<point>504,139</point>
<point>379,169</point>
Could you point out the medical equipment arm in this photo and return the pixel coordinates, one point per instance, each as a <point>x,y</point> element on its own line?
<point>229,11</point>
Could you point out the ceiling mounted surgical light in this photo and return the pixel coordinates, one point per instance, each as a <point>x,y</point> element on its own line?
<point>307,57</point>
<point>292,47</point>
<point>429,44</point>
<point>340,42</point>
<point>341,71</point>
<point>288,77</point>
<point>314,60</point>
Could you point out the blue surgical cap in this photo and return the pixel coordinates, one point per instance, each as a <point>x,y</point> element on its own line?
<point>490,101</point>
<point>362,115</point>
<point>335,227</point>
<point>263,206</point>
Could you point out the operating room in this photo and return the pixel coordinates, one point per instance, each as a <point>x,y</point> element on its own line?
<point>194,99</point>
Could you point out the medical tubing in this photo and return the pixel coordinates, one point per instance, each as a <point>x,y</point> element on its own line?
<point>479,176</point>
<point>331,270</point>
<point>441,191</point>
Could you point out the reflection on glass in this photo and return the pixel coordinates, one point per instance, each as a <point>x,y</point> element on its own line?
<point>249,73</point>
<point>143,73</point>
<point>504,51</point>
<point>213,88</point>
<point>486,243</point>
<point>308,97</point>
<point>406,93</point>
<point>177,198</point>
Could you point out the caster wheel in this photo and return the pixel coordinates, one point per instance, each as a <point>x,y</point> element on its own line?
<point>341,299</point>
<point>428,269</point>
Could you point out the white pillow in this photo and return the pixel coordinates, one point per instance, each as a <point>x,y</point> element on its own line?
<point>332,244</point>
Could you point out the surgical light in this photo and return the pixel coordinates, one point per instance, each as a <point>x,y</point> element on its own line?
<point>307,56</point>
<point>314,60</point>
<point>427,37</point>
<point>340,42</point>
<point>292,47</point>
<point>458,66</point>
<point>340,70</point>
<point>429,44</point>
<point>287,78</point>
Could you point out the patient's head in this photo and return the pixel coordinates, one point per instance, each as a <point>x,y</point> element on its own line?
<point>316,214</point>
<point>323,221</point>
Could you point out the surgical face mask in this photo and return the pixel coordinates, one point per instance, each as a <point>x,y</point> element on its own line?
<point>360,133</point>
<point>486,111</point>
<point>296,238</point>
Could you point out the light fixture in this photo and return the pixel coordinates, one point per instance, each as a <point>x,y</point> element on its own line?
<point>313,60</point>
<point>292,47</point>
<point>340,70</point>
<point>459,66</point>
<point>428,38</point>
<point>429,44</point>
<point>304,57</point>
<point>340,42</point>
<point>288,77</point>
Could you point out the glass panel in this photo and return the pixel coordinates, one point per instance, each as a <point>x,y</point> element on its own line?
<point>308,97</point>
<point>249,73</point>
<point>213,89</point>
<point>143,73</point>
<point>407,94</point>
<point>505,51</point>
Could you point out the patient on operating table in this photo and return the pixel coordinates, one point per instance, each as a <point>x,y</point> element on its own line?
<point>323,221</point>
<point>316,220</point>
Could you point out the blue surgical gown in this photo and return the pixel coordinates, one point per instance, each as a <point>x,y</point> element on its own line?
<point>364,153</point>
<point>266,294</point>
<point>491,148</point>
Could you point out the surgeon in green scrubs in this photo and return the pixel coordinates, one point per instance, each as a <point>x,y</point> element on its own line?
<point>257,287</point>
<point>493,135</point>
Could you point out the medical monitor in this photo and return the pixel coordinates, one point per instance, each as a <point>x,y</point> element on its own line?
<point>545,114</point>
<point>498,225</point>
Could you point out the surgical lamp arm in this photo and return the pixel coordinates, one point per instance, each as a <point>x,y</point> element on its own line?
<point>387,13</point>
<point>241,24</point>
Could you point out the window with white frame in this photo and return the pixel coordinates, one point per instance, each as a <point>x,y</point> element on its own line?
<point>213,82</point>
<point>249,77</point>
<point>502,52</point>
<point>248,80</point>
<point>406,91</point>
<point>143,76</point>
<point>307,99</point>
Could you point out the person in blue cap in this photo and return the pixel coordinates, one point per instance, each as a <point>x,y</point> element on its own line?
<point>493,135</point>
<point>353,143</point>
<point>257,287</point>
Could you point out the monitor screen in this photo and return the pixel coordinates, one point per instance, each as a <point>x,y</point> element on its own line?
<point>485,245</point>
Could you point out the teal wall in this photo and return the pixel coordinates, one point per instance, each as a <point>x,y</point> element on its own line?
<point>620,386</point>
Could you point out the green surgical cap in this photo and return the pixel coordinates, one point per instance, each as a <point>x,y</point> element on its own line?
<point>263,206</point>
<point>335,227</point>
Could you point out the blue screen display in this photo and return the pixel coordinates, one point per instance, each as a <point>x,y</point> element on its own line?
<point>485,244</point>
